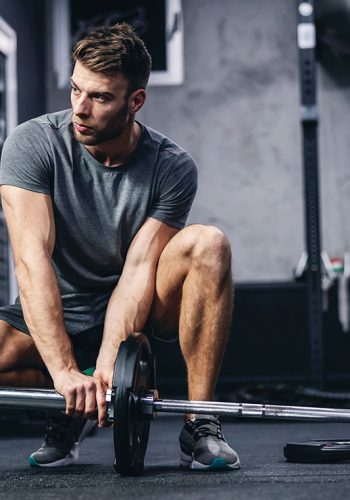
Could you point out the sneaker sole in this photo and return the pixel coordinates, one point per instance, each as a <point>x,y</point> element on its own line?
<point>73,455</point>
<point>188,462</point>
<point>69,459</point>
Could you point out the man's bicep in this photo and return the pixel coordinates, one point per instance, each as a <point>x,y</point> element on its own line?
<point>30,221</point>
<point>149,243</point>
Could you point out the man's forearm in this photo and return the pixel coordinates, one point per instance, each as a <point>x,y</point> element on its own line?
<point>42,309</point>
<point>131,301</point>
<point>127,311</point>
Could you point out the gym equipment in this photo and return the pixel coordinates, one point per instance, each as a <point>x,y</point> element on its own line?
<point>133,379</point>
<point>133,402</point>
<point>306,37</point>
<point>318,451</point>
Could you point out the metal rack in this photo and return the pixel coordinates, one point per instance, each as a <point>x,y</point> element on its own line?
<point>306,35</point>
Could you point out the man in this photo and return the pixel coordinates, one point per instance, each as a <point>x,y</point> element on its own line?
<point>96,205</point>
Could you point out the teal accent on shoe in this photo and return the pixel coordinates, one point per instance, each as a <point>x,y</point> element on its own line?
<point>89,371</point>
<point>218,463</point>
<point>33,462</point>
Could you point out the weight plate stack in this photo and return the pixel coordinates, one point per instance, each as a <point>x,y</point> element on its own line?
<point>134,376</point>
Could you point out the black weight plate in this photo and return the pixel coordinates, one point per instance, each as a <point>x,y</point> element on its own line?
<point>134,375</point>
<point>318,451</point>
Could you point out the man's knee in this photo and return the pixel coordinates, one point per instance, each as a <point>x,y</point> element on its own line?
<point>197,246</point>
<point>210,247</point>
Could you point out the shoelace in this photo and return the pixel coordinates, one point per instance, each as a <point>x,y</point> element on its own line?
<point>203,428</point>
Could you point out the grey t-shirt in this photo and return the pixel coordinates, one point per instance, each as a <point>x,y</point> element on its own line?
<point>97,209</point>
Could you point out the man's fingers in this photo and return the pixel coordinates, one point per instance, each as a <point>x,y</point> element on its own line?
<point>80,400</point>
<point>90,401</point>
<point>70,402</point>
<point>101,404</point>
<point>87,397</point>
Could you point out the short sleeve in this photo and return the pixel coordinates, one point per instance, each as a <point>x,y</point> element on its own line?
<point>177,187</point>
<point>25,159</point>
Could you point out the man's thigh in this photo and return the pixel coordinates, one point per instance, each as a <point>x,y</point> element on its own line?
<point>173,267</point>
<point>195,247</point>
<point>17,349</point>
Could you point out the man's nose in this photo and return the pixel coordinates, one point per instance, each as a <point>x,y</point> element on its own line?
<point>82,107</point>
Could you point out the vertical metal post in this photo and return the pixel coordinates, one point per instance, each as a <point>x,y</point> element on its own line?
<point>306,32</point>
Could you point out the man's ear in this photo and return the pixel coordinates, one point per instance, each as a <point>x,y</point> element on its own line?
<point>137,100</point>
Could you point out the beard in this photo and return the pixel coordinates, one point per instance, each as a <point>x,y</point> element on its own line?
<point>111,130</point>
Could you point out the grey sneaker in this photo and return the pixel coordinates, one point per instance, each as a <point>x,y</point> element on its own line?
<point>203,446</point>
<point>62,439</point>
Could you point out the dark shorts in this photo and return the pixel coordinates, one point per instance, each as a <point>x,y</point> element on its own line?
<point>86,343</point>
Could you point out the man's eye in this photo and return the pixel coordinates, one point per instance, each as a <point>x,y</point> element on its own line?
<point>100,98</point>
<point>74,89</point>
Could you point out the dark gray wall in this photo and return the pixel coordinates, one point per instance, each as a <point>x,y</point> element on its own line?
<point>238,114</point>
<point>27,18</point>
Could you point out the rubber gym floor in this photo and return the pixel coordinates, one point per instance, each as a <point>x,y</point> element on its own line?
<point>264,474</point>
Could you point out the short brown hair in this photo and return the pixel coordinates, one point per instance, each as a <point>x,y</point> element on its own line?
<point>115,49</point>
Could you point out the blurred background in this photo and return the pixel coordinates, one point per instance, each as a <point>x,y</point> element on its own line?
<point>226,87</point>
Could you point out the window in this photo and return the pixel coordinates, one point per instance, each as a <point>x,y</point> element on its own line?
<point>158,22</point>
<point>8,121</point>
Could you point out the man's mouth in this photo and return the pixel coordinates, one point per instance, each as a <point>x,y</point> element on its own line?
<point>82,128</point>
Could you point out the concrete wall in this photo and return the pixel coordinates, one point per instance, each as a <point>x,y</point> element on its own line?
<point>238,114</point>
<point>334,105</point>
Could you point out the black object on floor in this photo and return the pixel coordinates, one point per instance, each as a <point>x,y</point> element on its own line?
<point>318,451</point>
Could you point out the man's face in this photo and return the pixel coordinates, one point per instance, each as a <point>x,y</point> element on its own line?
<point>100,106</point>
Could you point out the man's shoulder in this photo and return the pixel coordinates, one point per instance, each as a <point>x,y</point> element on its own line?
<point>165,145</point>
<point>54,121</point>
<point>42,125</point>
<point>171,158</point>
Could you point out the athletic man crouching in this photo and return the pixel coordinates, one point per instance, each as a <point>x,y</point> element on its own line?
<point>96,205</point>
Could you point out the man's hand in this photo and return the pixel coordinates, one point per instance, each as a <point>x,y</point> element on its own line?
<point>83,395</point>
<point>105,376</point>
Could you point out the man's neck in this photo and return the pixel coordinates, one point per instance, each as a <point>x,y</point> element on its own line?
<point>117,151</point>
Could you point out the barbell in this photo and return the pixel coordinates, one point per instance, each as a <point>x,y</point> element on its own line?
<point>133,402</point>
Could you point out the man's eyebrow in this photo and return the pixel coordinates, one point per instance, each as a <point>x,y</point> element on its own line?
<point>73,83</point>
<point>105,94</point>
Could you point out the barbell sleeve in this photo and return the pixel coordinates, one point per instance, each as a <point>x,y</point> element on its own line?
<point>249,410</point>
